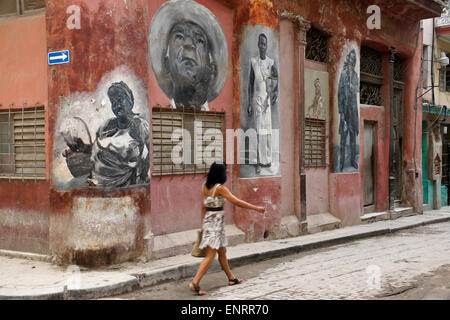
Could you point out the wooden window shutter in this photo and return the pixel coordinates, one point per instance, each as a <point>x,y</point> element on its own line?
<point>8,7</point>
<point>442,73</point>
<point>201,128</point>
<point>315,143</point>
<point>30,5</point>
<point>23,144</point>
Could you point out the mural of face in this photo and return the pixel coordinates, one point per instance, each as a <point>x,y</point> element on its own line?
<point>262,46</point>
<point>352,58</point>
<point>189,64</point>
<point>188,53</point>
<point>121,102</point>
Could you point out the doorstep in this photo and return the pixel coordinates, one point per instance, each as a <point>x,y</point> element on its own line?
<point>386,215</point>
<point>322,222</point>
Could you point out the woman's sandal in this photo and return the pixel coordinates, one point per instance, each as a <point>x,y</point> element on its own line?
<point>196,289</point>
<point>232,282</point>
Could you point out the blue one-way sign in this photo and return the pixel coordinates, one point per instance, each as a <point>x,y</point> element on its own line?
<point>58,57</point>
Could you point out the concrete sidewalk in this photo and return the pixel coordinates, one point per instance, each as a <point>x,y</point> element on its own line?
<point>39,279</point>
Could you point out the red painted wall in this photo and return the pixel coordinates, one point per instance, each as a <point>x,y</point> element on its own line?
<point>112,34</point>
<point>24,205</point>
<point>23,62</point>
<point>261,191</point>
<point>176,200</point>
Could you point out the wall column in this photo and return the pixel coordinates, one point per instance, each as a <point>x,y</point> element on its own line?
<point>301,27</point>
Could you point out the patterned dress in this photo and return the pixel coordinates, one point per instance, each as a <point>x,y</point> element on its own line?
<point>213,222</point>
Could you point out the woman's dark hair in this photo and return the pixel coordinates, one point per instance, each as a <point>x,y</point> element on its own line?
<point>217,174</point>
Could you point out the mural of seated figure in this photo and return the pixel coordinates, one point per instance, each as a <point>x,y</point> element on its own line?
<point>119,155</point>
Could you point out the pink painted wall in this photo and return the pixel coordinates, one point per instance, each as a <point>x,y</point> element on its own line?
<point>289,175</point>
<point>345,197</point>
<point>24,206</point>
<point>412,130</point>
<point>260,191</point>
<point>317,190</point>
<point>176,200</point>
<point>23,63</point>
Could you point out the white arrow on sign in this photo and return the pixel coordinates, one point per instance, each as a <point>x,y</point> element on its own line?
<point>63,57</point>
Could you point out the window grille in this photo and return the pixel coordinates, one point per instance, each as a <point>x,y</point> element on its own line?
<point>398,68</point>
<point>200,127</point>
<point>22,143</point>
<point>371,72</point>
<point>316,46</point>
<point>444,78</point>
<point>370,93</point>
<point>31,5</point>
<point>315,143</point>
<point>19,7</point>
<point>425,60</point>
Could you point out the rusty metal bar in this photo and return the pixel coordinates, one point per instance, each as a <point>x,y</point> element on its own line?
<point>23,120</point>
<point>391,129</point>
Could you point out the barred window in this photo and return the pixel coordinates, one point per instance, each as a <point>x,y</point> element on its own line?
<point>315,143</point>
<point>30,5</point>
<point>22,144</point>
<point>185,142</point>
<point>444,78</point>
<point>316,45</point>
<point>18,7</point>
<point>371,71</point>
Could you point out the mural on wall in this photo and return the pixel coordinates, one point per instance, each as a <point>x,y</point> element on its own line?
<point>102,138</point>
<point>434,153</point>
<point>188,54</point>
<point>259,61</point>
<point>316,94</point>
<point>346,153</point>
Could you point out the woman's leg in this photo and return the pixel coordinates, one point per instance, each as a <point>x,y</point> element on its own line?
<point>204,266</point>
<point>224,264</point>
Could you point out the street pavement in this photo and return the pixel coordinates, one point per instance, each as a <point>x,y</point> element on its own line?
<point>375,260</point>
<point>383,267</point>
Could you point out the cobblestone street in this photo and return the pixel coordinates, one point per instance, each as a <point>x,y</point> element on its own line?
<point>374,268</point>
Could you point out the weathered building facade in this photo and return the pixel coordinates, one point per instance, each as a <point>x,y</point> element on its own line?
<point>435,101</point>
<point>155,90</point>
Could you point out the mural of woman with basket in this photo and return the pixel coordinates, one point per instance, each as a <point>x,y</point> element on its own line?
<point>119,155</point>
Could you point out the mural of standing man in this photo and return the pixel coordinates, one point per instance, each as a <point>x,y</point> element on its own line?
<point>348,89</point>
<point>262,95</point>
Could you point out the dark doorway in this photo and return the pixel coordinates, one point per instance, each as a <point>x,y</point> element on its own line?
<point>369,164</point>
<point>446,159</point>
<point>398,142</point>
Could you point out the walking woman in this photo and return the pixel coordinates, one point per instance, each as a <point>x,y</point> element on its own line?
<point>214,195</point>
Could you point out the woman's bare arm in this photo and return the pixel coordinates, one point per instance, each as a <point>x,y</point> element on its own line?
<point>224,192</point>
<point>203,208</point>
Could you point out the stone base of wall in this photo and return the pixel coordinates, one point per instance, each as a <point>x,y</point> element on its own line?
<point>173,244</point>
<point>26,231</point>
<point>321,222</point>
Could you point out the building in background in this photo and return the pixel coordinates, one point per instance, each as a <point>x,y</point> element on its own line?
<point>436,108</point>
<point>87,160</point>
